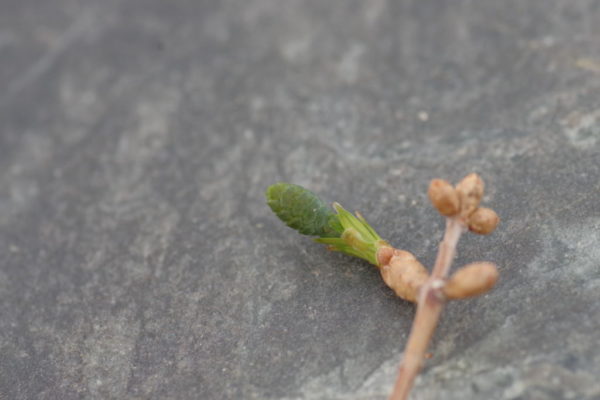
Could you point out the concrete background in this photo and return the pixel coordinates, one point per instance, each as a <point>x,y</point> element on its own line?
<point>138,259</point>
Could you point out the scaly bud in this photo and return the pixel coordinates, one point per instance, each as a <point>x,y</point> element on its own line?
<point>471,280</point>
<point>444,197</point>
<point>483,221</point>
<point>470,192</point>
<point>404,274</point>
<point>383,255</point>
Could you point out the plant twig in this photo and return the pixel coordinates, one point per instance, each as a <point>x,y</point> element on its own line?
<point>401,271</point>
<point>430,303</point>
<point>460,205</point>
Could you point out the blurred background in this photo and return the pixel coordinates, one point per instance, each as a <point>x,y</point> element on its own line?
<point>138,259</point>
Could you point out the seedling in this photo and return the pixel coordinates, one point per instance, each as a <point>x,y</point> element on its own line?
<point>401,271</point>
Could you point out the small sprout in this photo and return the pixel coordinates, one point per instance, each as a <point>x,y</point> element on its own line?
<point>471,280</point>
<point>483,221</point>
<point>358,238</point>
<point>470,192</point>
<point>444,197</point>
<point>401,271</point>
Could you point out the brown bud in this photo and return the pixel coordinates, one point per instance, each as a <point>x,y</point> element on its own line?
<point>444,197</point>
<point>404,274</point>
<point>383,255</point>
<point>483,221</point>
<point>470,192</point>
<point>471,280</point>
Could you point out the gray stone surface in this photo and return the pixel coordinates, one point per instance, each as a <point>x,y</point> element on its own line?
<point>138,259</point>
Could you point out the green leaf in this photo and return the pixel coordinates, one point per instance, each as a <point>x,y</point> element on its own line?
<point>301,209</point>
<point>359,238</point>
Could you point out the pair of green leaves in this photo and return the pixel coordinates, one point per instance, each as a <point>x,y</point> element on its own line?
<point>302,210</point>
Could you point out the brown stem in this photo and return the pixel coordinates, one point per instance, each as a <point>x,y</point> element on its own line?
<point>430,304</point>
<point>447,249</point>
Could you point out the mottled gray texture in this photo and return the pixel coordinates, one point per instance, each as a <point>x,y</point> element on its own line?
<point>138,259</point>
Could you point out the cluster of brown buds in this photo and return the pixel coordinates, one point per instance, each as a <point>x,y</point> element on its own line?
<point>462,202</point>
<point>411,281</point>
